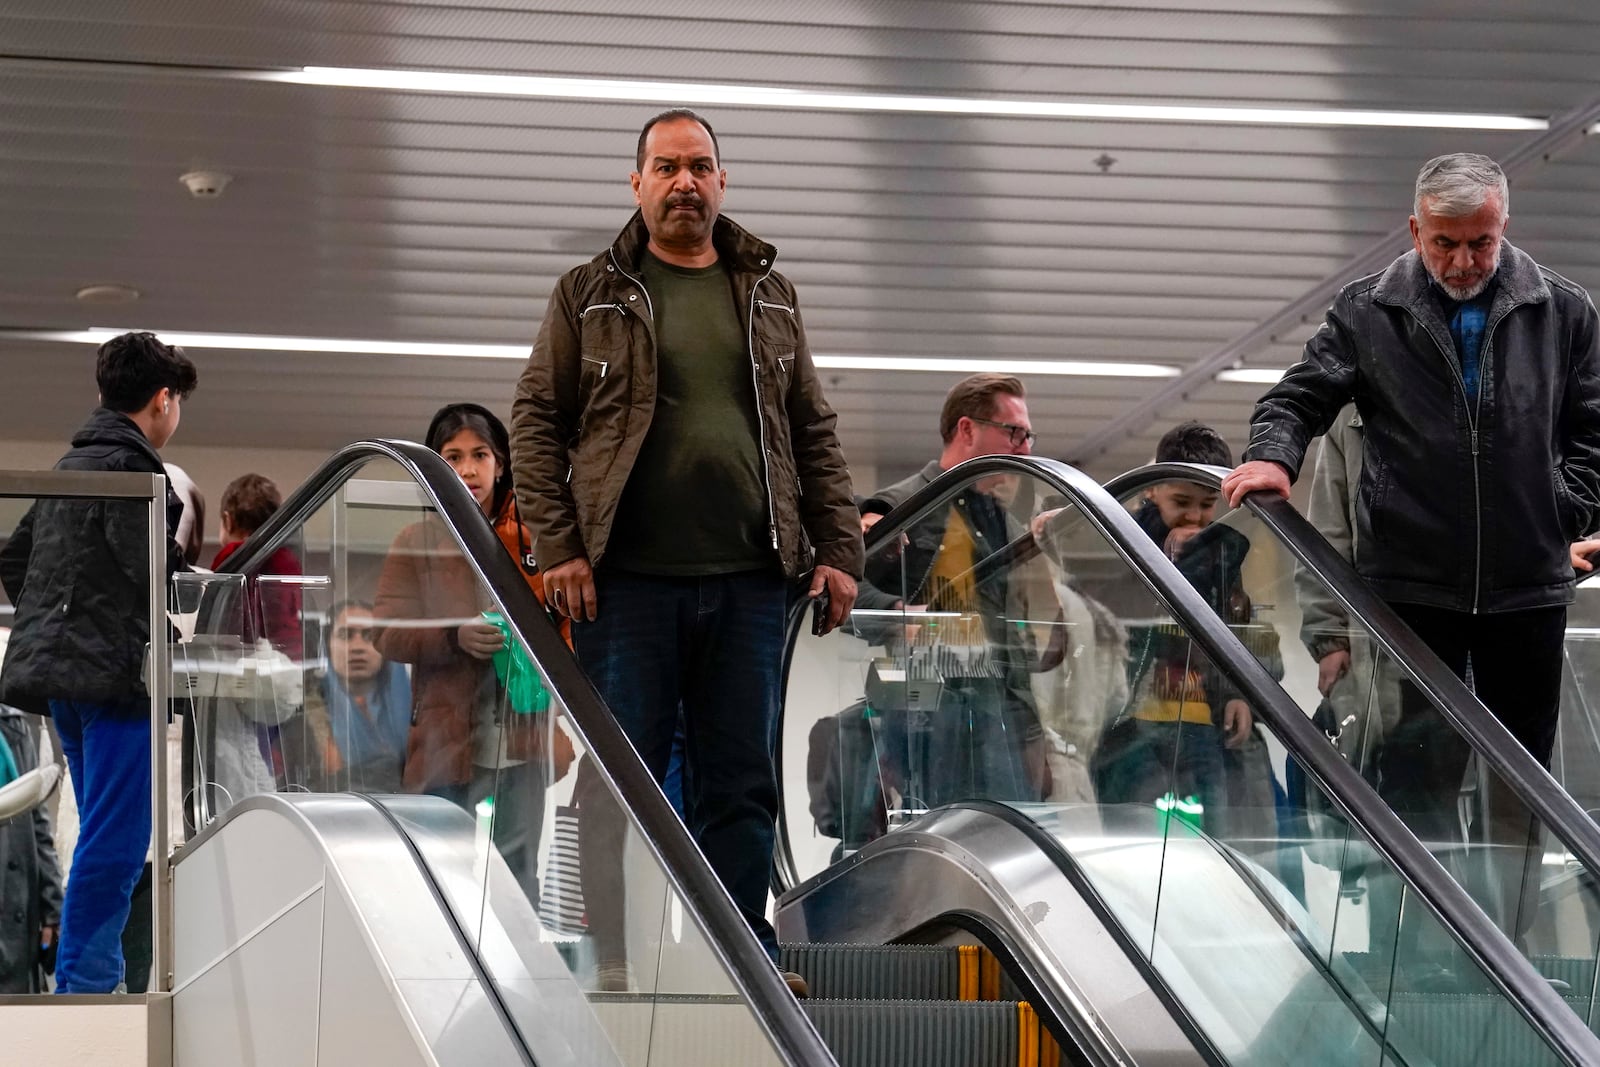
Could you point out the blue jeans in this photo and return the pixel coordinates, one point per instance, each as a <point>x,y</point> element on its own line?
<point>712,646</point>
<point>108,754</point>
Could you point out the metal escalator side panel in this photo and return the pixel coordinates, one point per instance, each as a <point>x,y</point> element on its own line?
<point>969,866</point>
<point>305,927</point>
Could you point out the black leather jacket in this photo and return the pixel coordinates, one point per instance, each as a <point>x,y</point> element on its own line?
<point>1464,507</point>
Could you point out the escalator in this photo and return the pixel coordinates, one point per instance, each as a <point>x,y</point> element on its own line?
<point>999,923</point>
<point>271,739</point>
<point>1016,686</point>
<point>1520,839</point>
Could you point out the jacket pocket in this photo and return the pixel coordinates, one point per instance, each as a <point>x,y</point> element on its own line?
<point>1566,510</point>
<point>603,338</point>
<point>1378,501</point>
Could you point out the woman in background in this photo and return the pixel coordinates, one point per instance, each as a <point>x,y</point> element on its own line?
<point>466,742</point>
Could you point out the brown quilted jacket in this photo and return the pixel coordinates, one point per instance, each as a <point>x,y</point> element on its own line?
<point>587,396</point>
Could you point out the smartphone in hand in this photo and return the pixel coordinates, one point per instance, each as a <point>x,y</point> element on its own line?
<point>819,613</point>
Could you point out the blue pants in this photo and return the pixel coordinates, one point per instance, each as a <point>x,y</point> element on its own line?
<point>712,646</point>
<point>108,754</point>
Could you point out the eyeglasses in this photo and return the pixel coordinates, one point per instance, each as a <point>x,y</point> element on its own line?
<point>1018,434</point>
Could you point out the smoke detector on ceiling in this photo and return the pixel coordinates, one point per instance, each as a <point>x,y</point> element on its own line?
<point>205,184</point>
<point>108,294</point>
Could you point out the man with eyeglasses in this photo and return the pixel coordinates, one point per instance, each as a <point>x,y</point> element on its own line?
<point>995,751</point>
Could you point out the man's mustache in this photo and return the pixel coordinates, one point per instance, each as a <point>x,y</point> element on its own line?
<point>692,201</point>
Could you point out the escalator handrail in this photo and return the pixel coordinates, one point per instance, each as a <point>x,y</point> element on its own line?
<point>1489,738</point>
<point>1058,1009</point>
<point>1505,966</point>
<point>458,929</point>
<point>729,936</point>
<point>1068,865</point>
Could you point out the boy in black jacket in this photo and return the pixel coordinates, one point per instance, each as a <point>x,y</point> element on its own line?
<point>1183,714</point>
<point>77,572</point>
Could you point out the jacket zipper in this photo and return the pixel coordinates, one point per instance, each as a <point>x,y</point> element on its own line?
<point>761,421</point>
<point>765,305</point>
<point>642,289</point>
<point>600,307</point>
<point>1474,417</point>
<point>604,364</point>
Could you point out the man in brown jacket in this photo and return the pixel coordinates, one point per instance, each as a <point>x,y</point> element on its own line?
<point>678,467</point>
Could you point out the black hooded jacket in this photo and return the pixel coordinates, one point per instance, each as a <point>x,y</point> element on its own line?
<point>78,573</point>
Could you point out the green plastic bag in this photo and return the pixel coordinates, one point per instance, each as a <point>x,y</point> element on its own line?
<point>523,683</point>
<point>1185,809</point>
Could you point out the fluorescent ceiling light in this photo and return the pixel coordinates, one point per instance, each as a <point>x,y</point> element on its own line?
<point>273,343</point>
<point>1000,366</point>
<point>430,81</point>
<point>1256,375</point>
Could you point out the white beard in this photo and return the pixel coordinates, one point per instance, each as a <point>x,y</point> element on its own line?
<point>1457,292</point>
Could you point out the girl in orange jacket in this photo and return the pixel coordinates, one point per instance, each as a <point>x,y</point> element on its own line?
<point>466,742</point>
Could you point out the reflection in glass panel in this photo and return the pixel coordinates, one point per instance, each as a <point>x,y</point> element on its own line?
<point>1405,747</point>
<point>380,663</point>
<point>1003,650</point>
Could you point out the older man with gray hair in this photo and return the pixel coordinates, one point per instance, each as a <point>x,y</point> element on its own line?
<point>1476,373</point>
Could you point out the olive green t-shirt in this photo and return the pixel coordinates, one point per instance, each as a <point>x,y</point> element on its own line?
<point>696,501</point>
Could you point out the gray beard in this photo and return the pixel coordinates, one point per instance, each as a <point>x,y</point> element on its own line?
<point>1456,292</point>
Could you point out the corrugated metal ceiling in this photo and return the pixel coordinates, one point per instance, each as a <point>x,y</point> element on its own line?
<point>390,215</point>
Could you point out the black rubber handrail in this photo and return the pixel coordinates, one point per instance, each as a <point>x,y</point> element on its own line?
<point>779,1014</point>
<point>1451,905</point>
<point>1459,705</point>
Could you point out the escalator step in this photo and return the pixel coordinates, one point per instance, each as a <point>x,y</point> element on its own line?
<point>900,1033</point>
<point>886,972</point>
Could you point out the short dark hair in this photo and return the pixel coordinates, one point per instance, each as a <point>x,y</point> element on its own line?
<point>249,502</point>
<point>1194,442</point>
<point>674,115</point>
<point>133,367</point>
<point>973,398</point>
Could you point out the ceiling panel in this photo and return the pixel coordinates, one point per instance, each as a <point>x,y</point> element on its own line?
<point>413,216</point>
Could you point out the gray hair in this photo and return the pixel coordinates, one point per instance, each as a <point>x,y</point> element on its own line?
<point>1458,184</point>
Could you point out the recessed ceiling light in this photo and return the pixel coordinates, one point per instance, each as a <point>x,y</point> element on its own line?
<point>108,294</point>
<point>275,343</point>
<point>434,81</point>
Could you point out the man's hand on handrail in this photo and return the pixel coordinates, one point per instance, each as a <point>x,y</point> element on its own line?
<point>1261,475</point>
